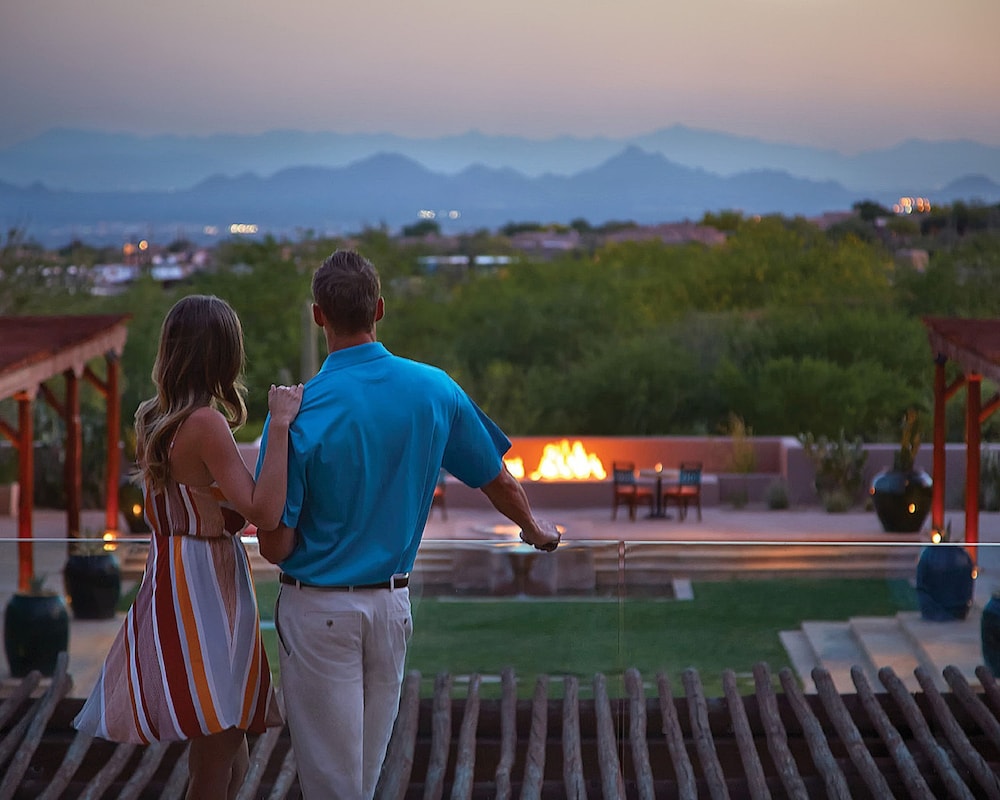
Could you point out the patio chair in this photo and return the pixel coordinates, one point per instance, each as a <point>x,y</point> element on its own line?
<point>687,490</point>
<point>627,489</point>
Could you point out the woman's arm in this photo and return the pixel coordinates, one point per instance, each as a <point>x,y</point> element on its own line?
<point>261,502</point>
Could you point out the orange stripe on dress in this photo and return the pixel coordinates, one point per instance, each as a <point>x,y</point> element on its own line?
<point>196,659</point>
<point>250,689</point>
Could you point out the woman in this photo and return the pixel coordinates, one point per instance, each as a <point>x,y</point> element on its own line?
<point>188,662</point>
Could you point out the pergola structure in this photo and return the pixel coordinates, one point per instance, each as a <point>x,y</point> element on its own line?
<point>973,345</point>
<point>33,350</point>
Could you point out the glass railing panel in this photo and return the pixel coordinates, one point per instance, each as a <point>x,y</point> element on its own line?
<point>785,589</point>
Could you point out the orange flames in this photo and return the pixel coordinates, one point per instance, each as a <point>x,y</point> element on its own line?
<point>562,461</point>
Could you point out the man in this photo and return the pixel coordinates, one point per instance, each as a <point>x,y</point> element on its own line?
<point>365,451</point>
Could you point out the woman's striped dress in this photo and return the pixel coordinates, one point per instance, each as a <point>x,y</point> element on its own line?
<point>188,660</point>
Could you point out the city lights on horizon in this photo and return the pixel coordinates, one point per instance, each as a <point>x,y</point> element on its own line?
<point>911,205</point>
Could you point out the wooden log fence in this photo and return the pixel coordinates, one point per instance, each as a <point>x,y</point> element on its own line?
<point>573,739</point>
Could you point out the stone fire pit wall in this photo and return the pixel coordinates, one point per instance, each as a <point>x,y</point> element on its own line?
<point>777,458</point>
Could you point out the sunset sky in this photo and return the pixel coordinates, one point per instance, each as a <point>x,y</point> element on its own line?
<point>847,74</point>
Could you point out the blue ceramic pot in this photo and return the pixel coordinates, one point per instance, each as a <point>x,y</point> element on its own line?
<point>945,582</point>
<point>36,631</point>
<point>902,500</point>
<point>990,633</point>
<point>93,583</point>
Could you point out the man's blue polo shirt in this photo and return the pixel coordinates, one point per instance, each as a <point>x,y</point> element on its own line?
<point>365,452</point>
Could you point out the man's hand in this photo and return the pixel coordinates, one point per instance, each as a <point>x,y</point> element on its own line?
<point>544,536</point>
<point>277,545</point>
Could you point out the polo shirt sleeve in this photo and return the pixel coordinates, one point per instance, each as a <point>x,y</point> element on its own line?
<point>296,491</point>
<point>475,447</point>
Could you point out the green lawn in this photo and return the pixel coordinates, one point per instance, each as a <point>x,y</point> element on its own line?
<point>728,625</point>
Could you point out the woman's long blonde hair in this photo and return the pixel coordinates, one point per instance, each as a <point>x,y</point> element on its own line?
<point>199,363</point>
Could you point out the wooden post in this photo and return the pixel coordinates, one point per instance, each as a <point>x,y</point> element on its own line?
<point>109,389</point>
<point>73,475</point>
<point>972,431</point>
<point>26,477</point>
<point>940,459</point>
<point>112,404</point>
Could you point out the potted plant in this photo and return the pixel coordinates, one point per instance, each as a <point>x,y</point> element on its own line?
<point>92,577</point>
<point>36,629</point>
<point>839,465</point>
<point>902,495</point>
<point>946,579</point>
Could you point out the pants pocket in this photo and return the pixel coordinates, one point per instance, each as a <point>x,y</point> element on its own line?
<point>277,623</point>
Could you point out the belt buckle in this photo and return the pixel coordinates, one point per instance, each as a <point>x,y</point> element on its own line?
<point>401,576</point>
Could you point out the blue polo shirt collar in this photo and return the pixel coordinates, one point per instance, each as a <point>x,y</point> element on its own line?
<point>353,356</point>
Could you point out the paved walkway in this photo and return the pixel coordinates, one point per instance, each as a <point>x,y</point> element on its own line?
<point>808,528</point>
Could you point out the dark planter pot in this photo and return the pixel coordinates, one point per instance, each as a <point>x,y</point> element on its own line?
<point>902,499</point>
<point>990,633</point>
<point>36,631</point>
<point>131,505</point>
<point>945,582</point>
<point>93,585</point>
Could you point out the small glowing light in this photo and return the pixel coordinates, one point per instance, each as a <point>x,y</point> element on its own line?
<point>975,573</point>
<point>143,245</point>
<point>128,248</point>
<point>936,537</point>
<point>136,510</point>
<point>912,507</point>
<point>453,214</point>
<point>243,228</point>
<point>658,467</point>
<point>426,213</point>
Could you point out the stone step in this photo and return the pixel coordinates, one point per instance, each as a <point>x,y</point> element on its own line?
<point>903,642</point>
<point>956,643</point>
<point>802,656</point>
<point>884,643</point>
<point>837,650</point>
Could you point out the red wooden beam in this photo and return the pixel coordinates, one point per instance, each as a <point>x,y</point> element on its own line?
<point>939,459</point>
<point>972,437</point>
<point>26,478</point>
<point>95,380</point>
<point>988,408</point>
<point>112,402</point>
<point>954,386</point>
<point>73,475</point>
<point>49,397</point>
<point>10,432</point>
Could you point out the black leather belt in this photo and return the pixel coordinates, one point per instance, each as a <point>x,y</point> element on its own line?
<point>395,582</point>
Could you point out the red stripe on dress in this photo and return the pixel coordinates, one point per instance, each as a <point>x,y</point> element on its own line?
<point>160,519</point>
<point>174,659</point>
<point>132,661</point>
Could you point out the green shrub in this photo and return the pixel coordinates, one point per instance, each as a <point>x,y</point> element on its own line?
<point>840,468</point>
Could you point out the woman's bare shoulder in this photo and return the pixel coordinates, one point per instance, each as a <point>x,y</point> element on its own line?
<point>203,427</point>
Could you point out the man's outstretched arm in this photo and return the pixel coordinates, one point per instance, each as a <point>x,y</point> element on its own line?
<point>508,497</point>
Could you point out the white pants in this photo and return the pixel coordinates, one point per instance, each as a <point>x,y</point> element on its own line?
<point>342,657</point>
